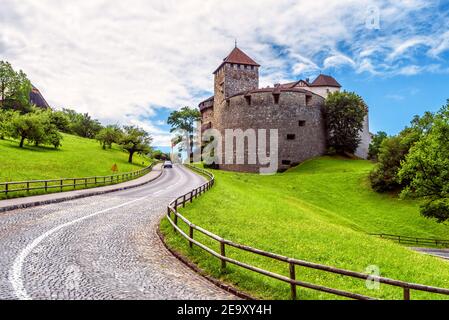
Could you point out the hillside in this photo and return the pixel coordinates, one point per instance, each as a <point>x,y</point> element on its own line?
<point>78,157</point>
<point>321,212</point>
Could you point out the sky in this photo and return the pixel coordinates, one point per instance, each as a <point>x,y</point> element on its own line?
<point>135,61</point>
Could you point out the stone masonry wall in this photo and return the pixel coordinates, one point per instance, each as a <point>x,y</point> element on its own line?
<point>291,116</point>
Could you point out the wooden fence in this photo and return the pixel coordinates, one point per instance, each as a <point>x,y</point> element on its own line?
<point>65,184</point>
<point>291,264</point>
<point>413,240</point>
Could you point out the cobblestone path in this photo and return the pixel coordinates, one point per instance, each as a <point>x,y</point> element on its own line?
<point>102,247</point>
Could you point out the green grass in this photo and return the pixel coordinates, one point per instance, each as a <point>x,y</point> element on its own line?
<point>78,157</point>
<point>321,212</point>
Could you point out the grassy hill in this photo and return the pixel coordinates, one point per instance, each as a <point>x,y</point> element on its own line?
<point>78,157</point>
<point>321,212</point>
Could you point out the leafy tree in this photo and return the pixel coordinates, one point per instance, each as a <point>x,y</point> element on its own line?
<point>185,120</point>
<point>87,127</point>
<point>393,152</point>
<point>15,88</point>
<point>82,124</point>
<point>36,127</point>
<point>27,126</point>
<point>134,140</point>
<point>109,135</point>
<point>426,168</point>
<point>345,114</point>
<point>5,123</point>
<point>60,120</point>
<point>374,147</point>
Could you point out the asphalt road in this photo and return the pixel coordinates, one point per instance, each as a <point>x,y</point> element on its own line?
<point>102,247</point>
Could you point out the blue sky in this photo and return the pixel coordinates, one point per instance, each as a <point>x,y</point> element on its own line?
<point>134,62</point>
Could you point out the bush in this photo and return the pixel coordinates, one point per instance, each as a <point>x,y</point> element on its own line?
<point>436,209</point>
<point>374,147</point>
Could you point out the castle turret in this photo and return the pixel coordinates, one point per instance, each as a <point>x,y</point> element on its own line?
<point>237,73</point>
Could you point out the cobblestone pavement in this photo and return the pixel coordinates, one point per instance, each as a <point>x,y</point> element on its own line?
<point>102,247</point>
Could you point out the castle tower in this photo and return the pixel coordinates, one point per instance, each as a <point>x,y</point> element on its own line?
<point>237,73</point>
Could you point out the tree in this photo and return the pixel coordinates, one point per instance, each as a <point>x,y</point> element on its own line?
<point>82,124</point>
<point>36,127</point>
<point>345,113</point>
<point>393,152</point>
<point>109,135</point>
<point>374,147</point>
<point>87,127</point>
<point>134,140</point>
<point>426,168</point>
<point>5,123</point>
<point>60,120</point>
<point>15,88</point>
<point>27,126</point>
<point>184,120</point>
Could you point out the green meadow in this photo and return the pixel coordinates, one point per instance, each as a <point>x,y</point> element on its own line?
<point>78,157</point>
<point>320,212</point>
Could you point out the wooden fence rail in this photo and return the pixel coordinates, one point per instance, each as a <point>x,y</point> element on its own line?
<point>69,183</point>
<point>291,263</point>
<point>413,240</point>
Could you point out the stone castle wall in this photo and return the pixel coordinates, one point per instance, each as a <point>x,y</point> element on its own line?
<point>294,114</point>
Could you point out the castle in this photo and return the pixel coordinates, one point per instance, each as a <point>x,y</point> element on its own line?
<point>295,109</point>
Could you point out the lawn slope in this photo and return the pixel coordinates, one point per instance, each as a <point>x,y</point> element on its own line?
<point>78,157</point>
<point>319,212</point>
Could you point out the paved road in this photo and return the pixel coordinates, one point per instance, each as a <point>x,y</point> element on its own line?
<point>440,253</point>
<point>102,247</point>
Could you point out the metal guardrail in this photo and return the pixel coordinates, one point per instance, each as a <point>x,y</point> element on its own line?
<point>413,240</point>
<point>292,263</point>
<point>64,184</point>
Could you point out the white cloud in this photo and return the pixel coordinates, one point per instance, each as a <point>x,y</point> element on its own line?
<point>119,60</point>
<point>337,61</point>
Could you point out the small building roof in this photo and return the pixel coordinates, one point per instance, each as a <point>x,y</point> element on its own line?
<point>237,56</point>
<point>37,99</point>
<point>325,81</point>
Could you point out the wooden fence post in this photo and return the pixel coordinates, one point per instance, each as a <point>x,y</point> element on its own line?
<point>175,221</point>
<point>46,186</point>
<point>223,254</point>
<point>191,236</point>
<point>6,189</point>
<point>293,277</point>
<point>184,201</point>
<point>406,294</point>
<point>191,196</point>
<point>60,183</point>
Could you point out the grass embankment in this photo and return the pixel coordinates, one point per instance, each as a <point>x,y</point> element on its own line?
<point>319,212</point>
<point>78,157</point>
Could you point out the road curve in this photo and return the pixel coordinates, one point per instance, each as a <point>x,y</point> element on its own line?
<point>99,248</point>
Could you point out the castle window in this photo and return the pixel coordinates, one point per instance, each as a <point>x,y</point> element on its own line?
<point>276,98</point>
<point>228,103</point>
<point>308,100</point>
<point>302,123</point>
<point>248,100</point>
<point>286,162</point>
<point>291,136</point>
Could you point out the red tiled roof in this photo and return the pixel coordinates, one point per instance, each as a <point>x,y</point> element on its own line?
<point>237,56</point>
<point>325,81</point>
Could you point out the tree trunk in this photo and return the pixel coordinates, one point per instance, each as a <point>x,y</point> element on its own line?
<point>131,153</point>
<point>22,140</point>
